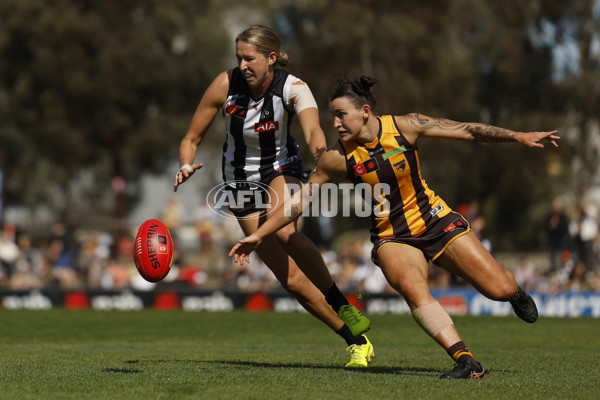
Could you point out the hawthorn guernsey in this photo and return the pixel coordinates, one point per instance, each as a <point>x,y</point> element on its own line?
<point>153,253</point>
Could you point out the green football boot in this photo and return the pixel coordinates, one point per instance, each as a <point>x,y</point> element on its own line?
<point>360,354</point>
<point>354,319</point>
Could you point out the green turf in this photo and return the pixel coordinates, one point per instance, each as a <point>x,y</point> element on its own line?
<point>63,354</point>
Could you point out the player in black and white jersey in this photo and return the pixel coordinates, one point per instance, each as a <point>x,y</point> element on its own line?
<point>258,142</point>
<point>258,102</point>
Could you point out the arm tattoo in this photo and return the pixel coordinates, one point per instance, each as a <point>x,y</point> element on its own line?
<point>486,133</point>
<point>479,132</point>
<point>294,212</point>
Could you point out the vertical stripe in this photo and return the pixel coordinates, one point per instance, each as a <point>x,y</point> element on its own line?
<point>418,201</point>
<point>391,175</point>
<point>413,202</point>
<point>268,147</point>
<point>423,201</point>
<point>292,149</point>
<point>389,226</point>
<point>350,163</point>
<point>237,133</point>
<point>223,161</point>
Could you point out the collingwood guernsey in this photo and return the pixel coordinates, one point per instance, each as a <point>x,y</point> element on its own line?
<point>258,139</point>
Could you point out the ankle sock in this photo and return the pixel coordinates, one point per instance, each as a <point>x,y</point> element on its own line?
<point>345,333</point>
<point>459,350</point>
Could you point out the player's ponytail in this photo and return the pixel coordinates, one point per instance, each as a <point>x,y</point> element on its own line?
<point>358,90</point>
<point>282,58</point>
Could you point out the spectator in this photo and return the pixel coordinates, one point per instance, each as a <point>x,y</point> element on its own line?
<point>557,229</point>
<point>577,280</point>
<point>370,279</point>
<point>28,267</point>
<point>9,253</point>
<point>584,230</point>
<point>525,274</point>
<point>171,214</point>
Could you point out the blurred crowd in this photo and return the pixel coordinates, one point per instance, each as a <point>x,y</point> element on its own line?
<point>93,258</point>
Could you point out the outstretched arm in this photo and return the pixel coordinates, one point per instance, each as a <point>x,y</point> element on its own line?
<point>213,99</point>
<point>419,125</point>
<point>330,164</point>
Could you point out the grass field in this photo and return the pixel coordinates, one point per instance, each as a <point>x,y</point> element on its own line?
<point>61,354</point>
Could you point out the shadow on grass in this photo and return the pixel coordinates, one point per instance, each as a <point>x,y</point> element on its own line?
<point>122,371</point>
<point>408,371</point>
<point>414,371</point>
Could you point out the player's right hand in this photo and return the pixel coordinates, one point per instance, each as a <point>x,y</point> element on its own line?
<point>184,173</point>
<point>241,251</point>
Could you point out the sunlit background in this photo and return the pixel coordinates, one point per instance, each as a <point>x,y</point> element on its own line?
<point>95,97</point>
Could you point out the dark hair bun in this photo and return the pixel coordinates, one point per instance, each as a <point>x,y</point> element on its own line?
<point>357,89</point>
<point>366,82</point>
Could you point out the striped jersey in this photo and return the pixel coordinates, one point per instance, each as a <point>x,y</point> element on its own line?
<point>258,130</point>
<point>407,206</point>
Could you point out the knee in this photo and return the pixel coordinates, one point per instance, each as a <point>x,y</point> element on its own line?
<point>503,290</point>
<point>415,295</point>
<point>294,281</point>
<point>286,236</point>
<point>509,274</point>
<point>293,242</point>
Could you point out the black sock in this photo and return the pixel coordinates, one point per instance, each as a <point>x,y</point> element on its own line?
<point>335,298</point>
<point>345,333</point>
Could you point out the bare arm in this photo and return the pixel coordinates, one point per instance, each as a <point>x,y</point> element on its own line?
<point>419,125</point>
<point>313,134</point>
<point>303,103</point>
<point>213,99</point>
<point>330,164</point>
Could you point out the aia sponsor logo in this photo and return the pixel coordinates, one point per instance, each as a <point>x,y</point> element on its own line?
<point>266,126</point>
<point>365,167</point>
<point>458,223</point>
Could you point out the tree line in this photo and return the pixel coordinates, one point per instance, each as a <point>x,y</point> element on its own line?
<point>93,95</point>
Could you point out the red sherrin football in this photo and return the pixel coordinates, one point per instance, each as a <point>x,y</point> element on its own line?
<point>153,252</point>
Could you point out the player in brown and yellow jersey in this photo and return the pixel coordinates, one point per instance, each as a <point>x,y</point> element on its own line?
<point>410,225</point>
<point>406,206</point>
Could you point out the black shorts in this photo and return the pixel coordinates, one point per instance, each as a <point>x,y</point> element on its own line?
<point>297,169</point>
<point>434,240</point>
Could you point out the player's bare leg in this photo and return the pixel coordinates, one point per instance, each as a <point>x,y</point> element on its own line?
<point>291,277</point>
<point>406,270</point>
<point>308,295</point>
<point>308,258</point>
<point>467,258</point>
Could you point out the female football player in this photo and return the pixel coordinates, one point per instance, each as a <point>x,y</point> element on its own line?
<point>258,102</point>
<point>410,224</point>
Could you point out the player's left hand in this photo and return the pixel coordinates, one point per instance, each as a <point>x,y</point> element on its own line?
<point>241,251</point>
<point>533,139</point>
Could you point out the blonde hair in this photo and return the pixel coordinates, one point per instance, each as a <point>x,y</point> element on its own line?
<point>266,40</point>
